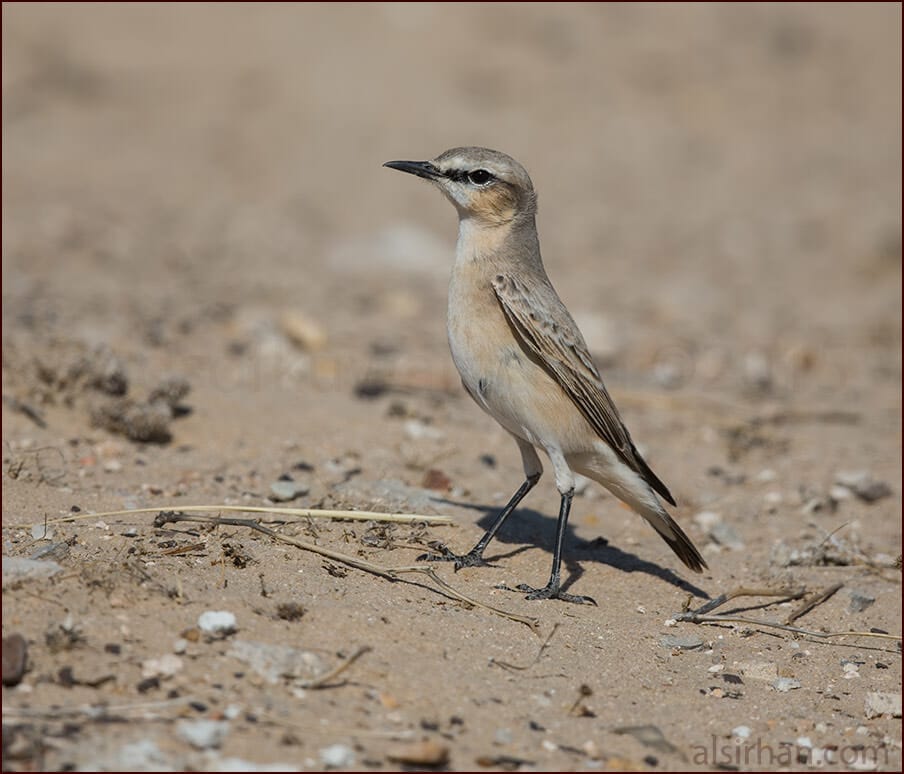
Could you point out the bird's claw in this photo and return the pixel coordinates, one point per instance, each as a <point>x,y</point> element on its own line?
<point>443,554</point>
<point>554,592</point>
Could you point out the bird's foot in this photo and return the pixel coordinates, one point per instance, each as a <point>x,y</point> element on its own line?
<point>551,591</point>
<point>443,554</point>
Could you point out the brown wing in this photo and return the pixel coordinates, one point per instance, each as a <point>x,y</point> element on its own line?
<point>541,321</point>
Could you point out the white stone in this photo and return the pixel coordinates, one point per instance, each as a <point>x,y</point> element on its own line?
<point>337,756</point>
<point>217,623</point>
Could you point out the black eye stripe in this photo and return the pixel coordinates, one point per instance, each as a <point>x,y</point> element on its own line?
<point>473,176</point>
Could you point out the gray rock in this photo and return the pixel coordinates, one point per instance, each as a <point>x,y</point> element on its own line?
<point>726,535</point>
<point>682,642</point>
<point>274,662</point>
<point>56,551</point>
<point>203,734</point>
<point>282,491</point>
<point>42,532</point>
<point>862,484</point>
<point>17,568</point>
<point>860,601</point>
<point>878,704</point>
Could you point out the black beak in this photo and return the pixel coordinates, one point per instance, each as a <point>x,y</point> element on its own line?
<point>420,168</point>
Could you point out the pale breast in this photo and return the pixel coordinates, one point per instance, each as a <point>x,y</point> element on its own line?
<point>477,329</point>
<point>499,374</point>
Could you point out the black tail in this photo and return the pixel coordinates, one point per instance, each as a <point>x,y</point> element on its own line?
<point>680,543</point>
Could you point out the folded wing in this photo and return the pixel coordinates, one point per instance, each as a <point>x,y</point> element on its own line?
<point>554,339</point>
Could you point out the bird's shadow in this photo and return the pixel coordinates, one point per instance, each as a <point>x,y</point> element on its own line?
<point>525,525</point>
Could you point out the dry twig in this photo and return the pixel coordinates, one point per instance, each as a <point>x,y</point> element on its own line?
<point>389,573</point>
<point>702,614</point>
<point>307,513</point>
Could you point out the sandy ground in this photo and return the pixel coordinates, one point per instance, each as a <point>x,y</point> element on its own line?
<point>193,198</point>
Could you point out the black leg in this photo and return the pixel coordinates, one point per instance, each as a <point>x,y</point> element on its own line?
<point>474,557</point>
<point>552,589</point>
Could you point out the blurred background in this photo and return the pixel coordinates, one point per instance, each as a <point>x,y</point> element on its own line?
<point>720,184</point>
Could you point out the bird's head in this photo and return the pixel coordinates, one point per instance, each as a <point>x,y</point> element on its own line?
<point>483,184</point>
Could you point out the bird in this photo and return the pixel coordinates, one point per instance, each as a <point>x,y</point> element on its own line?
<point>523,360</point>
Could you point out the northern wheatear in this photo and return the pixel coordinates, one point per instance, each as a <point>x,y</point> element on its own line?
<point>523,360</point>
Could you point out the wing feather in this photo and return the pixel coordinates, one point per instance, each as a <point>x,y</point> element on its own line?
<point>552,336</point>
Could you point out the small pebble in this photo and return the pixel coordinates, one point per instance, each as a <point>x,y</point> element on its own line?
<point>741,732</point>
<point>180,645</point>
<point>15,659</point>
<point>130,532</point>
<point>203,734</point>
<point>426,753</point>
<point>217,623</point>
<point>282,491</point>
<point>839,493</point>
<point>165,666</point>
<point>860,601</point>
<point>417,430</point>
<point>303,331</point>
<point>785,684</point>
<point>437,480</point>
<point>337,756</point>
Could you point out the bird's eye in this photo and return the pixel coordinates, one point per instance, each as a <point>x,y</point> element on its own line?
<point>479,177</point>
